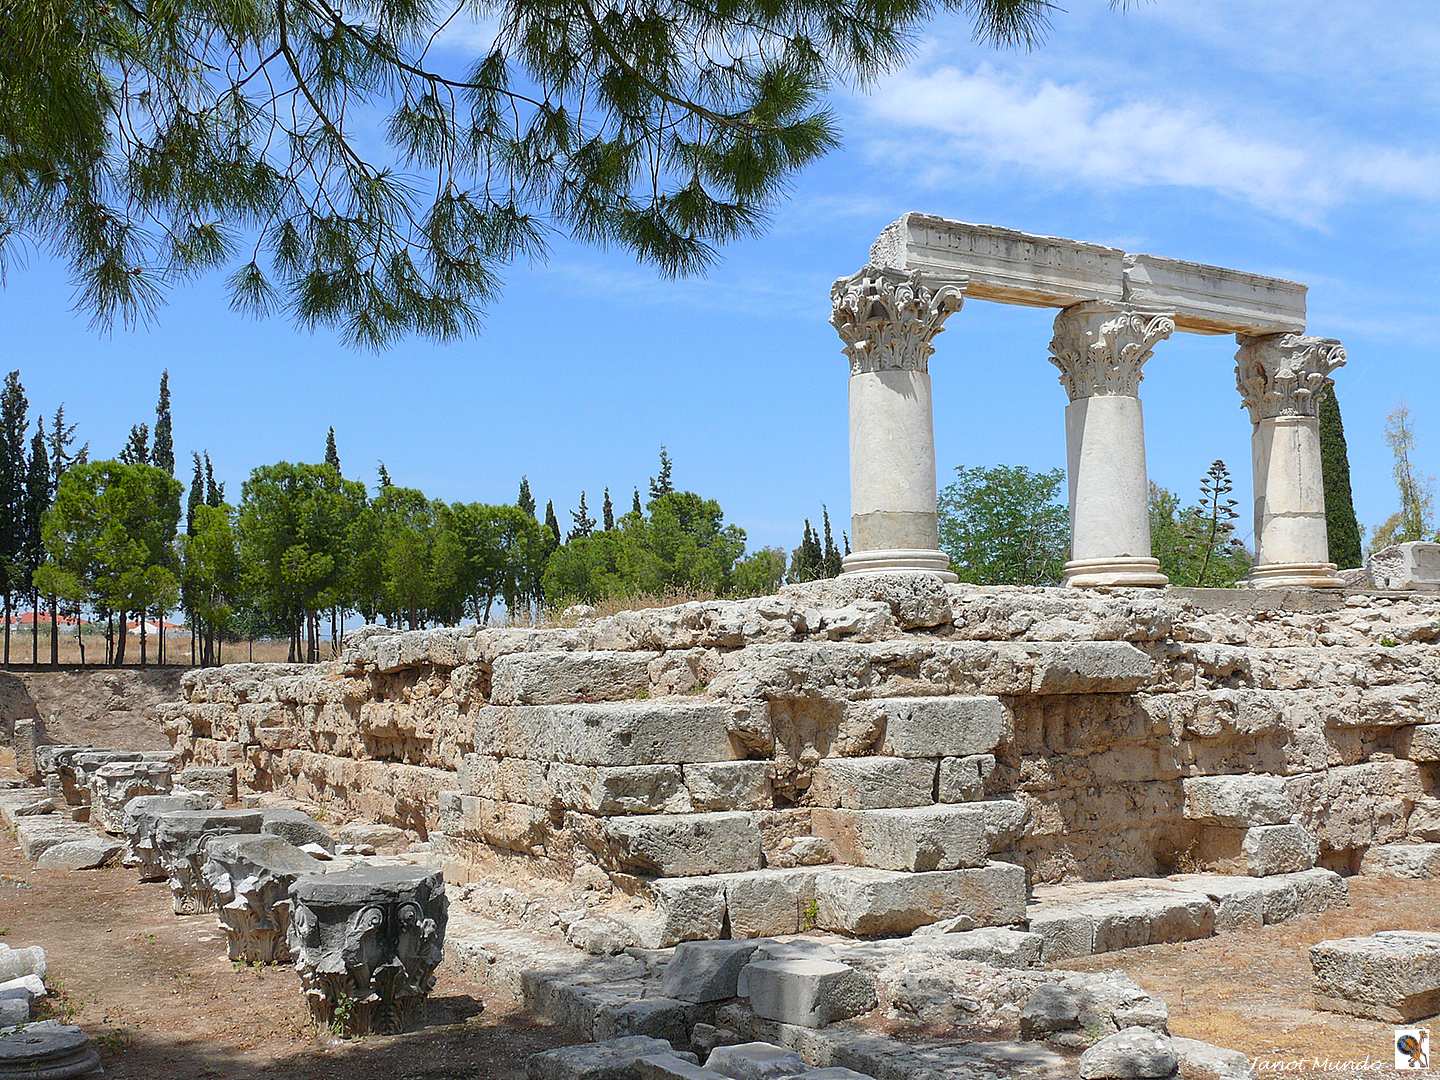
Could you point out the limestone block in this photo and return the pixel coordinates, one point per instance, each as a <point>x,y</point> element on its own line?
<point>18,963</point>
<point>764,903</point>
<point>937,727</point>
<point>670,1067</point>
<point>508,826</point>
<point>1392,976</point>
<point>652,732</point>
<point>28,735</point>
<point>831,1072</point>
<point>1421,743</point>
<point>1207,1060</point>
<point>14,1011</point>
<point>873,783</point>
<point>612,1059</point>
<point>1355,806</point>
<point>938,837</point>
<point>385,839</point>
<point>180,838</point>
<point>49,1050</point>
<point>706,970</point>
<point>1238,801</point>
<point>366,943</point>
<point>964,779</point>
<point>687,909</point>
<point>867,902</point>
<point>616,790</point>
<point>997,946</point>
<point>1278,849</point>
<point>1105,916</point>
<point>1210,299</point>
<point>729,785</point>
<point>250,878</point>
<point>88,853</point>
<point>141,816</point>
<point>296,827</point>
<point>673,845</point>
<point>754,1061</point>
<point>1415,861</point>
<point>808,993</point>
<point>1318,890</point>
<point>114,784</point>
<point>1136,1053</point>
<point>1241,903</point>
<point>24,802</point>
<point>1090,667</point>
<point>1411,566</point>
<point>558,678</point>
<point>213,780</point>
<point>40,833</point>
<point>1424,823</point>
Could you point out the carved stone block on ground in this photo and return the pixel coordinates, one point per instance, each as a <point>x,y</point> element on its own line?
<point>366,943</point>
<point>180,839</point>
<point>138,825</point>
<point>808,993</point>
<point>250,879</point>
<point>611,1059</point>
<point>114,784</point>
<point>1392,976</point>
<point>938,837</point>
<point>1417,861</point>
<point>865,901</point>
<point>213,780</point>
<point>48,1050</point>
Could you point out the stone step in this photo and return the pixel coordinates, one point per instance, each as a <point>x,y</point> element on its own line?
<point>1096,917</point>
<point>39,834</point>
<point>938,837</point>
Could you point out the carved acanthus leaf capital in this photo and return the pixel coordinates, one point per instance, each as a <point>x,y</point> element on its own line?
<point>1282,374</point>
<point>889,318</point>
<point>1100,347</point>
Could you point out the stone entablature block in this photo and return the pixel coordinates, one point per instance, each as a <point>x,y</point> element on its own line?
<point>1014,267</point>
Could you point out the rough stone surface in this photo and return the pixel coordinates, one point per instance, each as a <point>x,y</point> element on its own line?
<point>89,853</point>
<point>138,825</point>
<point>867,902</point>
<point>366,943</point>
<point>296,827</point>
<point>114,784</point>
<point>1392,976</point>
<point>1411,566</point>
<point>217,781</point>
<point>250,879</point>
<point>1238,801</point>
<point>1420,861</point>
<point>754,1061</point>
<point>808,993</point>
<point>48,1050</point>
<point>706,970</point>
<point>180,838</point>
<point>1133,1054</point>
<point>611,1059</point>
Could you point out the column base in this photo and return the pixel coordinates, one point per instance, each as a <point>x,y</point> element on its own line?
<point>1294,576</point>
<point>1123,572</point>
<point>899,561</point>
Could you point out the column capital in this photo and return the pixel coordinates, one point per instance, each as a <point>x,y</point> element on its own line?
<point>1100,347</point>
<point>888,318</point>
<point>1281,374</point>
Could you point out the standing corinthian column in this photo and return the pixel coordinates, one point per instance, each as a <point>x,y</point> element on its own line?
<point>888,319</point>
<point>1279,377</point>
<point>1100,347</point>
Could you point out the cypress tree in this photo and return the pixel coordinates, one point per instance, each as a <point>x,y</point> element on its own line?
<point>607,511</point>
<point>662,484</point>
<point>13,407</point>
<point>553,524</point>
<point>384,476</point>
<point>136,450</point>
<point>62,435</point>
<point>197,495</point>
<point>635,507</point>
<point>831,554</point>
<point>37,501</point>
<point>526,501</point>
<point>332,455</point>
<point>214,493</point>
<point>581,521</point>
<point>1340,522</point>
<point>163,454</point>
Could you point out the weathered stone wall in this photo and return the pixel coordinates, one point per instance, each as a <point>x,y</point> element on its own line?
<point>928,734</point>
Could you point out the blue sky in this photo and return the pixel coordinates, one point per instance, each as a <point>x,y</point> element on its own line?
<point>1280,137</point>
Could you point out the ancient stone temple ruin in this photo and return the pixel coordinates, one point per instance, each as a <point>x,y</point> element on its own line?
<point>855,826</point>
<point>1116,309</point>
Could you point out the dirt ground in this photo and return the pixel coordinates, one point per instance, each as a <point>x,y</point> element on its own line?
<point>1250,991</point>
<point>104,706</point>
<point>163,1003</point>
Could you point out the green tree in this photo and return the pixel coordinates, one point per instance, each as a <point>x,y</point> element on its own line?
<point>607,511</point>
<point>37,501</point>
<point>210,577</point>
<point>525,501</point>
<point>1196,545</point>
<point>332,453</point>
<point>105,538</point>
<point>807,562</point>
<point>383,476</point>
<point>834,561</point>
<point>760,573</point>
<point>663,483</point>
<point>150,143</point>
<point>62,437</point>
<point>1415,518</point>
<point>505,557</point>
<point>1341,525</point>
<point>214,490</point>
<point>162,454</point>
<point>635,507</point>
<point>293,525</point>
<point>1005,525</point>
<point>581,523</point>
<point>13,468</point>
<point>552,524</point>
<point>136,450</point>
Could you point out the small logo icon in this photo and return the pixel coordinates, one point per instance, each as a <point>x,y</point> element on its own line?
<point>1412,1049</point>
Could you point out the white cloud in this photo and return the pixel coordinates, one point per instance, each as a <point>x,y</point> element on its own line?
<point>1073,132</point>
<point>467,34</point>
